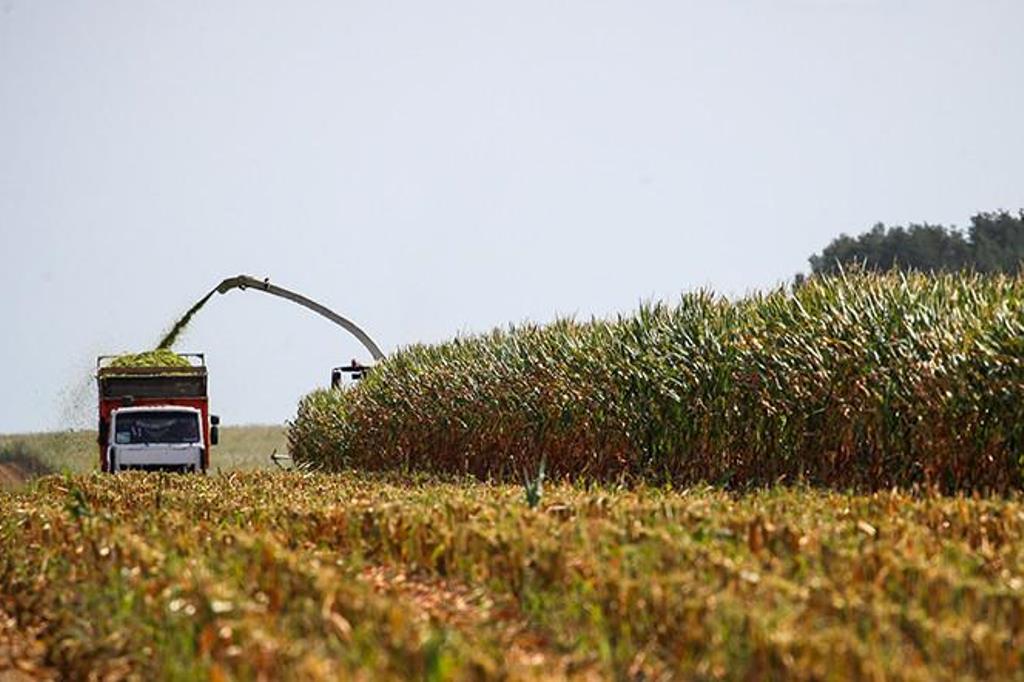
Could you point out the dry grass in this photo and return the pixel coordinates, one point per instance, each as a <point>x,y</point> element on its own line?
<point>354,576</point>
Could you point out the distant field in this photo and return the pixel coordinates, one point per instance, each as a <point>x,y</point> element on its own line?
<point>241,447</point>
<point>268,575</point>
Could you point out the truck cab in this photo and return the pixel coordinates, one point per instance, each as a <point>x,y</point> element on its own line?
<point>161,438</point>
<point>155,418</point>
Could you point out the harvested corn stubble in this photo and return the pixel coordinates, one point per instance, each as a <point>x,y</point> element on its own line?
<point>358,576</point>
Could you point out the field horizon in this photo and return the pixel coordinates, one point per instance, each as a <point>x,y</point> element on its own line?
<point>241,447</point>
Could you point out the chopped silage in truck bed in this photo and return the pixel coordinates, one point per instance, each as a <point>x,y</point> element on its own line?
<point>162,357</point>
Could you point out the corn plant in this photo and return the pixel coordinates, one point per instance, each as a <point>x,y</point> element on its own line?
<point>533,486</point>
<point>863,380</point>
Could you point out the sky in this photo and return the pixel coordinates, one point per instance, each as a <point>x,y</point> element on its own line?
<point>435,169</point>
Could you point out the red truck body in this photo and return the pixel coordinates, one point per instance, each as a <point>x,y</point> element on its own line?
<point>152,387</point>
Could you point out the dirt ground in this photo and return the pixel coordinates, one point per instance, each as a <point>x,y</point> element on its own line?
<point>13,474</point>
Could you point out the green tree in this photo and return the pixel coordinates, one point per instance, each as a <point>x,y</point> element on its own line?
<point>993,243</point>
<point>998,241</point>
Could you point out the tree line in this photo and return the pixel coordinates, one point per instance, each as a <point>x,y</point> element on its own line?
<point>994,242</point>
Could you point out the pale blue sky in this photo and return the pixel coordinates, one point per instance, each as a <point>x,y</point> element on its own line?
<point>438,168</point>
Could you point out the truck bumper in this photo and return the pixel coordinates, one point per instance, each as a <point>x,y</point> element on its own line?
<point>157,459</point>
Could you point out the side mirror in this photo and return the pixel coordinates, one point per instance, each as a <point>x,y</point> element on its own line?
<point>214,419</point>
<point>214,435</point>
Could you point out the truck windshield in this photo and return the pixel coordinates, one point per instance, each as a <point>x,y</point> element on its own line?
<point>156,427</point>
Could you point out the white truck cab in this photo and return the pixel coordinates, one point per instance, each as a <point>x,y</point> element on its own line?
<point>156,438</point>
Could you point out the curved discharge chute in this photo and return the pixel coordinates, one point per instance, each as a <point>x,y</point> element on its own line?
<point>244,282</point>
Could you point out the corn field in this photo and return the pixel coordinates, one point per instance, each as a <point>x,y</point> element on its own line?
<point>378,577</point>
<point>862,380</point>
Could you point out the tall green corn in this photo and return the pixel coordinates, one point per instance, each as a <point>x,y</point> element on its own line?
<point>861,380</point>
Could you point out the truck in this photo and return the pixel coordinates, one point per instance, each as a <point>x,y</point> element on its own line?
<point>159,417</point>
<point>155,418</point>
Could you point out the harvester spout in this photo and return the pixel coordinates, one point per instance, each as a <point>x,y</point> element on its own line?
<point>231,283</point>
<point>245,282</point>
